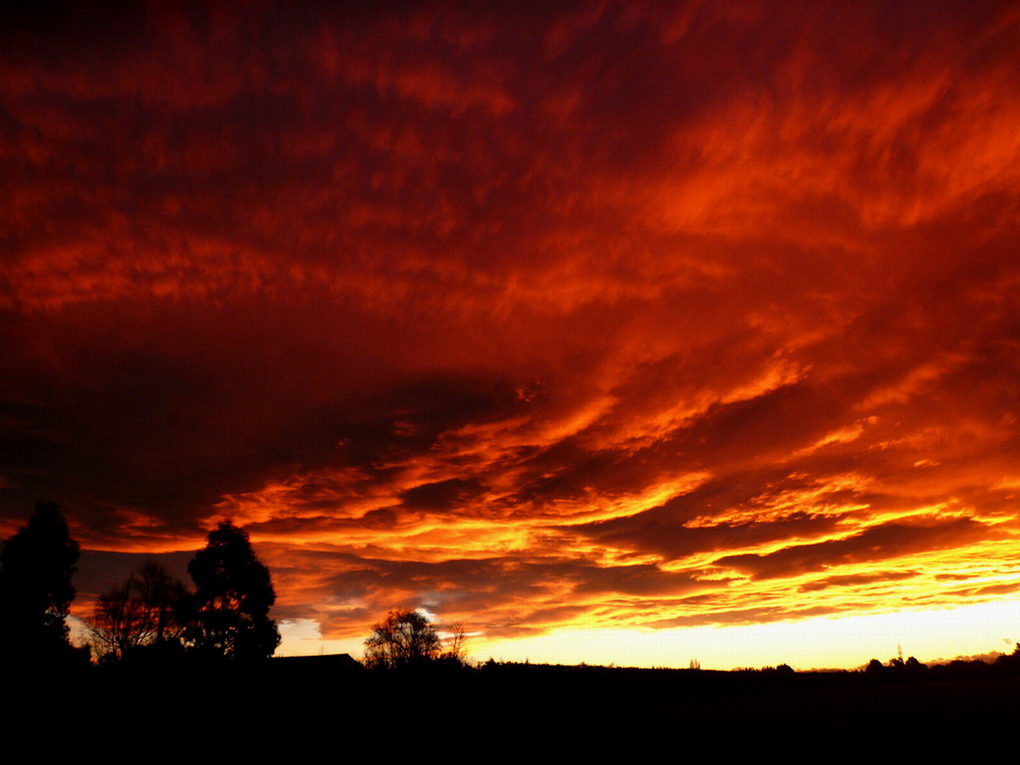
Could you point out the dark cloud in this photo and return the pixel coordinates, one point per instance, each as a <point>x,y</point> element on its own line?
<point>737,616</point>
<point>854,580</point>
<point>677,541</point>
<point>876,543</point>
<point>99,571</point>
<point>442,494</point>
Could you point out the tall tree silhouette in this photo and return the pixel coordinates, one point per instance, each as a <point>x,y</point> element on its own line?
<point>36,568</point>
<point>229,614</point>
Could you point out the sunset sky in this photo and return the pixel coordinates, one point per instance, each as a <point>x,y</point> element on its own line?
<point>617,332</point>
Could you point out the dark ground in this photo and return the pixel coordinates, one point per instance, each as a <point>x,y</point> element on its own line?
<point>282,710</point>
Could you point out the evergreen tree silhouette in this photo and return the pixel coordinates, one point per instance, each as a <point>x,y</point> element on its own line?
<point>229,611</point>
<point>36,568</point>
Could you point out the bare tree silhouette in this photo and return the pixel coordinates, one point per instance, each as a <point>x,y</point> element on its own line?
<point>143,611</point>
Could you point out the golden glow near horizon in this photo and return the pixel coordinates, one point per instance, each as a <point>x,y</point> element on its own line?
<point>617,333</point>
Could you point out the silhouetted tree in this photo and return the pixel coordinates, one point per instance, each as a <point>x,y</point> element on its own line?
<point>875,668</point>
<point>1010,662</point>
<point>229,611</point>
<point>37,565</point>
<point>453,647</point>
<point>407,638</point>
<point>144,611</point>
<point>913,665</point>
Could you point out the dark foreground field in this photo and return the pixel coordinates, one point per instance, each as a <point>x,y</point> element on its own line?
<point>282,709</point>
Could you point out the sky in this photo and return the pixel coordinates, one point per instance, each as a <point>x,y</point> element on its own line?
<point>621,332</point>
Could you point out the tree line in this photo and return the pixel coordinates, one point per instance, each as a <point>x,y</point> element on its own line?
<point>226,613</point>
<point>150,614</point>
